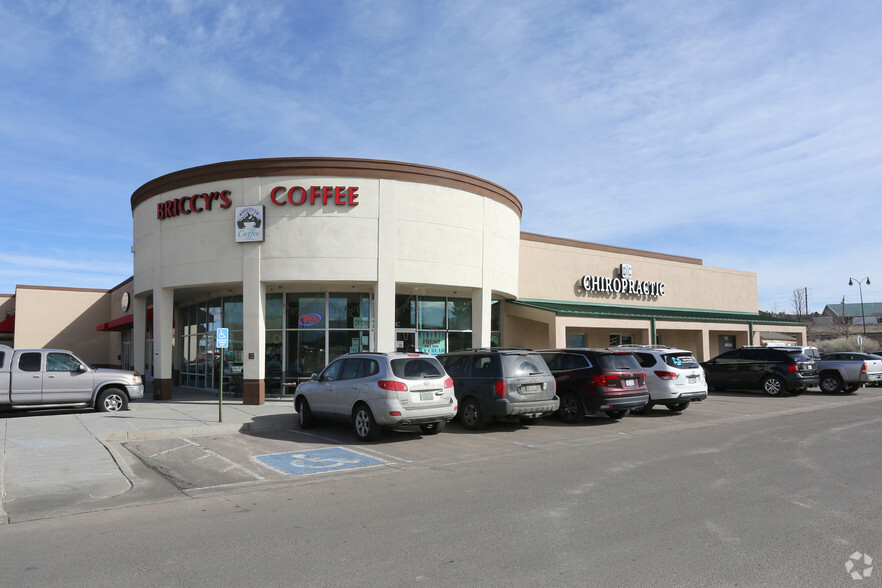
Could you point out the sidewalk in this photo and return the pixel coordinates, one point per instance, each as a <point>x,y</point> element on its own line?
<point>61,461</point>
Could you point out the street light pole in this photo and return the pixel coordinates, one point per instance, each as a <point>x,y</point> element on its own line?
<point>863,316</point>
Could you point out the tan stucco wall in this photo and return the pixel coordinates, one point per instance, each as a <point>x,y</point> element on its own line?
<point>552,269</point>
<point>442,236</point>
<point>63,318</point>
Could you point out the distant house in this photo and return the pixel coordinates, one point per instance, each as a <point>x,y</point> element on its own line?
<point>852,310</point>
<point>768,339</point>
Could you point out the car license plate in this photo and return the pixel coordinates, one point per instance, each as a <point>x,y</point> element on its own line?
<point>427,395</point>
<point>630,382</point>
<point>532,388</point>
<point>692,379</point>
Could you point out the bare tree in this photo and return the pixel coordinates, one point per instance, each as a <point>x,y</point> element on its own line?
<point>798,301</point>
<point>842,322</point>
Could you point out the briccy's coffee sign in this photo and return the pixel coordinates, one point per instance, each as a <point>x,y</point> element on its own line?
<point>624,283</point>
<point>280,196</point>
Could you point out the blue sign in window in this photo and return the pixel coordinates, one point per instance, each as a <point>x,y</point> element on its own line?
<point>313,461</point>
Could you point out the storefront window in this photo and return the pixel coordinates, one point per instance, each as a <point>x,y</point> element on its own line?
<point>349,311</point>
<point>434,342</point>
<point>233,313</point>
<point>459,314</point>
<point>274,311</point>
<point>405,311</point>
<point>457,341</point>
<point>430,312</point>
<point>306,311</point>
<point>306,352</point>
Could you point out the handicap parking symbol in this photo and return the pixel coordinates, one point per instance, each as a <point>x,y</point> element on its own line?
<point>312,461</point>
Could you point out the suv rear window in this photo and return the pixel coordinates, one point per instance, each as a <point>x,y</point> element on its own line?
<point>524,365</point>
<point>680,360</point>
<point>416,368</point>
<point>619,362</point>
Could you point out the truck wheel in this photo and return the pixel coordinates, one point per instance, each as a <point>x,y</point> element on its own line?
<point>830,383</point>
<point>112,400</point>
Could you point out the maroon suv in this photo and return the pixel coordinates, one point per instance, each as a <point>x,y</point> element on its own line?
<point>596,380</point>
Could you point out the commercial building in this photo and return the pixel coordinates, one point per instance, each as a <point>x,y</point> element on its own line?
<point>304,259</point>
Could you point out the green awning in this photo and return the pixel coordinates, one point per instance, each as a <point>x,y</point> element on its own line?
<point>589,310</point>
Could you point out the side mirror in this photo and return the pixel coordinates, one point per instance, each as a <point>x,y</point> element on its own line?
<point>314,378</point>
<point>80,368</point>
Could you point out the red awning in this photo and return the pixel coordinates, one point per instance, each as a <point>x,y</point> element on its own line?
<point>122,323</point>
<point>8,324</point>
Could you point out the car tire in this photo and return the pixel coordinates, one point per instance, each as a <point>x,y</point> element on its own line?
<point>433,428</point>
<point>570,409</point>
<point>112,400</point>
<point>830,383</point>
<point>304,413</point>
<point>774,386</point>
<point>471,415</point>
<point>364,425</point>
<point>617,414</point>
<point>679,407</point>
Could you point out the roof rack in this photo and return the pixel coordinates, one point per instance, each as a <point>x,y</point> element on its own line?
<point>641,346</point>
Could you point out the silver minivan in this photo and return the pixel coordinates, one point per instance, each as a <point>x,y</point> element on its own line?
<point>377,390</point>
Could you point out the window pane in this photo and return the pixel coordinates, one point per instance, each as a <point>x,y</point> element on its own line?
<point>233,313</point>
<point>306,311</point>
<point>342,342</point>
<point>274,310</point>
<point>61,362</point>
<point>575,339</point>
<point>431,312</point>
<point>457,341</point>
<point>459,314</point>
<point>349,311</point>
<point>434,342</point>
<point>213,314</point>
<point>306,352</point>
<point>495,312</point>
<point>405,311</point>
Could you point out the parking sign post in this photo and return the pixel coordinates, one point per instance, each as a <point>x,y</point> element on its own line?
<point>223,341</point>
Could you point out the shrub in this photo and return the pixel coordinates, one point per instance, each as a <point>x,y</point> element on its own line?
<point>846,344</point>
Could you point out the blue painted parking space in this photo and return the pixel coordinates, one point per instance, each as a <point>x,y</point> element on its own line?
<point>313,461</point>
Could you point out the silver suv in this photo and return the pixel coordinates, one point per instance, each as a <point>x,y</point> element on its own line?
<point>674,377</point>
<point>375,390</point>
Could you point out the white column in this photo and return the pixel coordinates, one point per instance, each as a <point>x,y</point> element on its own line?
<point>139,332</point>
<point>254,326</point>
<point>385,299</point>
<point>481,300</point>
<point>163,338</point>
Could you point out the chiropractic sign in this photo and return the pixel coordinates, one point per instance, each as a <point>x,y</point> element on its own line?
<point>623,284</point>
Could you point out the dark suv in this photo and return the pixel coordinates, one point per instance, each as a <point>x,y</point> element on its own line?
<point>500,383</point>
<point>596,380</point>
<point>773,371</point>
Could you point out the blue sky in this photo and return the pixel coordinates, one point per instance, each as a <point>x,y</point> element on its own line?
<point>744,133</point>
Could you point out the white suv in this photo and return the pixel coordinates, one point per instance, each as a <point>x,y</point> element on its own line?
<point>673,376</point>
<point>374,390</point>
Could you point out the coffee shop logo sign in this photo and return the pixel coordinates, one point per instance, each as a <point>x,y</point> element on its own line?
<point>249,224</point>
<point>624,284</point>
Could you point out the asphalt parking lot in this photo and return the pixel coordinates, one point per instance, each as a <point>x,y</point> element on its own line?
<point>200,465</point>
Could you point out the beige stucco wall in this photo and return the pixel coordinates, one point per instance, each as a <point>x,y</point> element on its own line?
<point>442,236</point>
<point>63,318</point>
<point>552,270</point>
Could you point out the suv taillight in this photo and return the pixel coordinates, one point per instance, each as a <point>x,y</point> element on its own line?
<point>605,380</point>
<point>666,375</point>
<point>392,385</point>
<point>500,389</point>
<point>448,383</point>
<point>792,368</point>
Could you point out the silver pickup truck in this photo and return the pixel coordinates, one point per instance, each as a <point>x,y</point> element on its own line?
<point>56,377</point>
<point>846,371</point>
